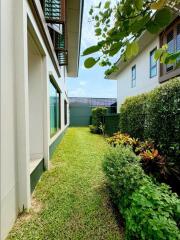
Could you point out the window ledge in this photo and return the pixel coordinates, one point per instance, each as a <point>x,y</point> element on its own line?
<point>169,75</point>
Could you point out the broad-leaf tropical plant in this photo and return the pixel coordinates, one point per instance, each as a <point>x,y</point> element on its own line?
<point>118,27</point>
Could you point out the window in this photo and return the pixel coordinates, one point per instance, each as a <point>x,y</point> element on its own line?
<point>171,48</point>
<point>178,40</point>
<point>153,64</point>
<point>133,77</point>
<point>54,94</point>
<point>171,37</point>
<point>65,112</point>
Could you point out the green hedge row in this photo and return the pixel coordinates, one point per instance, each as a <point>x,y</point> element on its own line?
<point>132,116</point>
<point>151,211</point>
<point>98,115</point>
<point>155,116</point>
<point>111,123</point>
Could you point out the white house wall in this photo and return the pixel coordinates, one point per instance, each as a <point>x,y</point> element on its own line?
<point>16,124</point>
<point>7,119</point>
<point>143,81</point>
<point>35,85</point>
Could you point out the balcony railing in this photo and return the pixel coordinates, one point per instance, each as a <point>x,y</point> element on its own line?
<point>62,57</point>
<point>54,12</point>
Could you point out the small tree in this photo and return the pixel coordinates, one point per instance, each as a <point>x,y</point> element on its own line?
<point>98,115</point>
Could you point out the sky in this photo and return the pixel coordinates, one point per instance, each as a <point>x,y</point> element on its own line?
<point>90,82</point>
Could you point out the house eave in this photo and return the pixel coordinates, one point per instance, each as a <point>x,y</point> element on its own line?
<point>74,26</point>
<point>144,40</point>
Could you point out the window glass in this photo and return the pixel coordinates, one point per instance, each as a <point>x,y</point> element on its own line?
<point>153,64</point>
<point>133,80</point>
<point>171,46</point>
<point>178,40</point>
<point>54,109</point>
<point>65,112</point>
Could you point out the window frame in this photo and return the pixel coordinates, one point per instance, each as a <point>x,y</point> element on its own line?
<point>58,92</point>
<point>165,75</point>
<point>65,112</point>
<point>150,63</point>
<point>133,78</point>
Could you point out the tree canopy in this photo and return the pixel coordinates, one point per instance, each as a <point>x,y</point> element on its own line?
<point>118,27</point>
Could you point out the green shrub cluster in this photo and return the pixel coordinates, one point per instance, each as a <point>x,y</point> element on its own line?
<point>98,115</point>
<point>111,124</point>
<point>155,116</point>
<point>150,210</point>
<point>132,116</point>
<point>162,123</point>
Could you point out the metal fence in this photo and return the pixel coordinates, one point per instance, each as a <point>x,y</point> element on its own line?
<point>81,109</point>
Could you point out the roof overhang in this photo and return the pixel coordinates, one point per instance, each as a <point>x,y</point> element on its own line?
<point>145,39</point>
<point>74,27</point>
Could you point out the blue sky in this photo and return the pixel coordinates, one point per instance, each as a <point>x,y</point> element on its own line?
<point>91,82</point>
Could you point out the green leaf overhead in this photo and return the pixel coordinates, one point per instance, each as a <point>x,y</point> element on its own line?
<point>138,4</point>
<point>131,50</point>
<point>119,24</point>
<point>163,17</point>
<point>90,62</point>
<point>153,27</point>
<point>107,4</point>
<point>115,49</point>
<point>91,50</point>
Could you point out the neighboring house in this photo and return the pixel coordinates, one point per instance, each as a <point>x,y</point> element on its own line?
<point>81,108</point>
<point>142,73</point>
<point>39,45</point>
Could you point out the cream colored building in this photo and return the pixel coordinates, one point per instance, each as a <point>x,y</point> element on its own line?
<point>39,45</point>
<point>142,73</point>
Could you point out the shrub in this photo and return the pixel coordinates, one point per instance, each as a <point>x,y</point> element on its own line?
<point>152,162</point>
<point>123,139</point>
<point>153,213</point>
<point>111,124</point>
<point>132,116</point>
<point>93,129</point>
<point>98,115</point>
<point>156,117</point>
<point>162,123</point>
<point>150,211</point>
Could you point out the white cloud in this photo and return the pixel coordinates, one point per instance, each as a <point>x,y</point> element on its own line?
<point>78,92</point>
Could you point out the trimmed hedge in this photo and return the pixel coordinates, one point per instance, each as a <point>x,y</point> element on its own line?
<point>111,123</point>
<point>162,123</point>
<point>155,116</point>
<point>150,211</point>
<point>98,115</point>
<point>132,116</point>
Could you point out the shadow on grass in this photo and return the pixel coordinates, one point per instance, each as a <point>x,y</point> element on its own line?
<point>106,191</point>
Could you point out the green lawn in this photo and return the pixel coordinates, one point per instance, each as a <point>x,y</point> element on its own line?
<point>71,198</point>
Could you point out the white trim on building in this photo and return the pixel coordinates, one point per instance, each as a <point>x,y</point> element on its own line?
<point>25,69</point>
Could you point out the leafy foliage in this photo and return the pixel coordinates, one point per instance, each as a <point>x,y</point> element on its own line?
<point>98,115</point>
<point>111,124</point>
<point>162,121</point>
<point>152,161</point>
<point>151,211</point>
<point>155,117</point>
<point>122,139</point>
<point>118,27</point>
<point>132,116</point>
